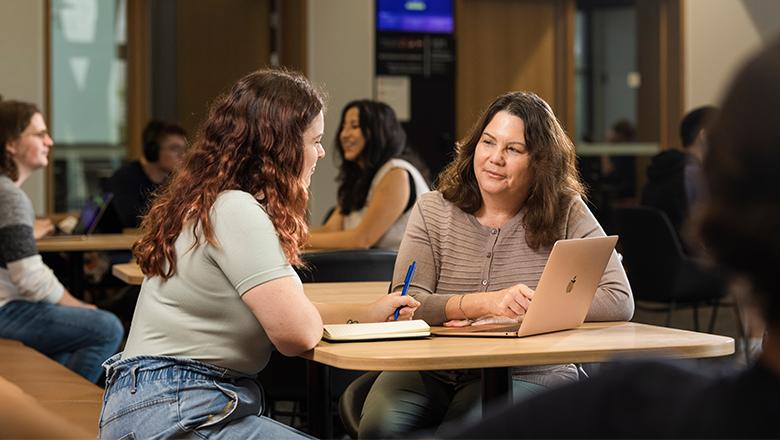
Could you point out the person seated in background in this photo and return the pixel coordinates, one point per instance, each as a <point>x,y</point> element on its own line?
<point>376,189</point>
<point>480,243</point>
<point>737,222</point>
<point>674,182</point>
<point>134,183</point>
<point>618,172</point>
<point>34,307</point>
<point>219,292</point>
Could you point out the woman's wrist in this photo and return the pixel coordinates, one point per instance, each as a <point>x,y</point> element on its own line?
<point>460,307</point>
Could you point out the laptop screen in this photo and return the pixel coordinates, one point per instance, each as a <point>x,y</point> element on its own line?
<point>91,213</point>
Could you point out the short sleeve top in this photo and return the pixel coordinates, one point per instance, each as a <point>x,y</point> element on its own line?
<point>198,313</point>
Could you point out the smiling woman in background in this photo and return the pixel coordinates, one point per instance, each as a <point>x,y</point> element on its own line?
<point>376,189</point>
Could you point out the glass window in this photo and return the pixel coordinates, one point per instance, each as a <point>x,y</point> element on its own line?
<point>88,89</point>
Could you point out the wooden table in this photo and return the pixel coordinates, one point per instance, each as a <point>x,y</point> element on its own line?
<point>129,273</point>
<point>357,293</point>
<point>592,342</point>
<point>56,388</point>
<point>76,245</point>
<point>86,243</point>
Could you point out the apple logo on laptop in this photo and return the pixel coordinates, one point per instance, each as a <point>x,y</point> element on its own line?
<point>570,286</point>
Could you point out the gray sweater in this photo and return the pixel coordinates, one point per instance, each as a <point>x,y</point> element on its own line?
<point>23,276</point>
<point>456,254</point>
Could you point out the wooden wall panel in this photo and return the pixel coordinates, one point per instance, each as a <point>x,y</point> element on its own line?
<point>505,45</point>
<point>218,42</point>
<point>138,77</point>
<point>293,38</point>
<point>649,62</point>
<point>660,62</point>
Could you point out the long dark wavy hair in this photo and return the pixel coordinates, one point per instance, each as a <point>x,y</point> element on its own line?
<point>740,217</point>
<point>15,116</point>
<point>553,163</point>
<point>251,141</point>
<point>385,139</point>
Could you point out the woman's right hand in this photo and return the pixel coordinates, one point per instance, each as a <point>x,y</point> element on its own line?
<point>71,301</point>
<point>511,302</point>
<point>384,308</point>
<point>42,227</point>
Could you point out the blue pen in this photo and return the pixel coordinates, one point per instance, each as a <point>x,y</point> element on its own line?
<point>408,280</point>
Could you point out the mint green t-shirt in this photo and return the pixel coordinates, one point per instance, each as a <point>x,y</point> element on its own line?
<point>198,314</point>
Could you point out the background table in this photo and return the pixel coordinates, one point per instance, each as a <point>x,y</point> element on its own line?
<point>76,245</point>
<point>129,273</point>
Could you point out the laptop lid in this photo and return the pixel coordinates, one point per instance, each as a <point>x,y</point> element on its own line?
<point>91,213</point>
<point>563,295</point>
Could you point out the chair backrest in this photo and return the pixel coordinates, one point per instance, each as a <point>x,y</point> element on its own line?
<point>652,253</point>
<point>348,265</point>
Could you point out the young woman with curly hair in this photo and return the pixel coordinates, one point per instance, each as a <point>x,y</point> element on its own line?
<point>481,242</point>
<point>376,188</point>
<point>220,292</point>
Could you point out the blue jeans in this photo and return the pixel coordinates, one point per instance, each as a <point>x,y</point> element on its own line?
<point>78,338</point>
<point>163,397</point>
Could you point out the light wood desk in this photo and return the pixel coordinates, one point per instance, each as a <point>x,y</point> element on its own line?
<point>87,243</point>
<point>76,245</point>
<point>592,342</point>
<point>54,387</point>
<point>130,273</point>
<point>357,293</point>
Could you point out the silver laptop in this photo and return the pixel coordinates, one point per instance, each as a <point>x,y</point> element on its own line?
<point>563,295</point>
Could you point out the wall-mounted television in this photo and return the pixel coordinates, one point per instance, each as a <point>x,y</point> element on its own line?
<point>423,16</point>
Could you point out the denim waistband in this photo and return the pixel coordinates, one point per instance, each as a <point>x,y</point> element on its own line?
<point>127,372</point>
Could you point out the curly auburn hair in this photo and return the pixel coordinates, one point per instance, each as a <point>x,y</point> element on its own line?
<point>251,141</point>
<point>740,217</point>
<point>385,139</point>
<point>15,116</point>
<point>552,161</point>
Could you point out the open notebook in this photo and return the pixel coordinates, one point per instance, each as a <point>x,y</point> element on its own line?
<point>377,330</point>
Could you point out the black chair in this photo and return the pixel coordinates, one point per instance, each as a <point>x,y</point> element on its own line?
<point>658,269</point>
<point>284,379</point>
<point>348,265</point>
<point>352,400</point>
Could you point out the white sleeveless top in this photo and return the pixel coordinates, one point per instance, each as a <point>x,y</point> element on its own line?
<point>392,238</point>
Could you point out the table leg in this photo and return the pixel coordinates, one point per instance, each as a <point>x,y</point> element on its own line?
<point>76,264</point>
<point>496,387</point>
<point>319,411</point>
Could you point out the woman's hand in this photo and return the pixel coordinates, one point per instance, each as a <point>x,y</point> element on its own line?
<point>70,301</point>
<point>511,302</point>
<point>42,227</point>
<point>384,308</point>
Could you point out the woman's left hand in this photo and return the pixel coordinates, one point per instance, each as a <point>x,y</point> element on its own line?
<point>384,308</point>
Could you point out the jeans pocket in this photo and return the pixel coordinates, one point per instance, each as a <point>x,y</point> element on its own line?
<point>205,404</point>
<point>226,410</point>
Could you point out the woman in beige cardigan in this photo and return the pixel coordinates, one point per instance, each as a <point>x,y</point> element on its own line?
<point>481,242</point>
